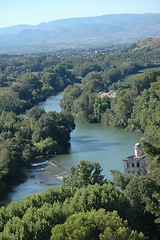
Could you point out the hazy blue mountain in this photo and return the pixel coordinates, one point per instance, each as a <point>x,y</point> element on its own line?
<point>79,32</point>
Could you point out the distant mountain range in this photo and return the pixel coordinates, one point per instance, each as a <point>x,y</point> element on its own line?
<point>79,32</point>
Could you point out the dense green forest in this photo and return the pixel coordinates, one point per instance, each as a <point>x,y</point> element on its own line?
<point>119,86</point>
<point>86,207</point>
<point>24,81</point>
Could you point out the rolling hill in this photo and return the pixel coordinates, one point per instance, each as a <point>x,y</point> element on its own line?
<point>79,32</point>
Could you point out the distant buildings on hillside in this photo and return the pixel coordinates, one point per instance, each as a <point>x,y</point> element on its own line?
<point>110,94</point>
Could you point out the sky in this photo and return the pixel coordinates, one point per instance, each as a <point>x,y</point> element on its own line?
<point>14,12</point>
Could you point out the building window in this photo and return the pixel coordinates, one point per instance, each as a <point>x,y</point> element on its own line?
<point>132,164</point>
<point>128,165</point>
<point>137,164</point>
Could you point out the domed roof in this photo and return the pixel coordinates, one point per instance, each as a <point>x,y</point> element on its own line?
<point>137,144</point>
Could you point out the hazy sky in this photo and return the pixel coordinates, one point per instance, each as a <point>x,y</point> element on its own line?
<point>13,12</point>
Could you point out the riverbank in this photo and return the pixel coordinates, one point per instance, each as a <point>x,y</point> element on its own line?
<point>38,178</point>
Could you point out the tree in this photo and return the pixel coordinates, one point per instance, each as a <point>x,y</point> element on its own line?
<point>138,190</point>
<point>11,157</point>
<point>47,146</point>
<point>10,102</point>
<point>105,196</point>
<point>71,93</point>
<point>53,128</point>
<point>153,206</point>
<point>35,113</point>
<point>120,180</point>
<point>85,173</point>
<point>100,106</point>
<point>122,108</point>
<point>94,82</point>
<point>95,225</point>
<point>13,229</point>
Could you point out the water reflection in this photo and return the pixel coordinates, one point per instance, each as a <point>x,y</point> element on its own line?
<point>85,144</point>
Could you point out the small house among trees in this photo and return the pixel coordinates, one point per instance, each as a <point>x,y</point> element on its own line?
<point>136,164</point>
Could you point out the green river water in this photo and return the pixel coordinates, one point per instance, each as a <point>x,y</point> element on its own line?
<point>93,142</point>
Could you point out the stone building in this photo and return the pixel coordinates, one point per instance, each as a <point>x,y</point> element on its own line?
<point>136,164</point>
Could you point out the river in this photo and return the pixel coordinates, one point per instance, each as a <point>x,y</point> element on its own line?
<point>93,142</point>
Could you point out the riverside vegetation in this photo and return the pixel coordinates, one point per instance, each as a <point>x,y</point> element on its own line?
<point>87,206</point>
